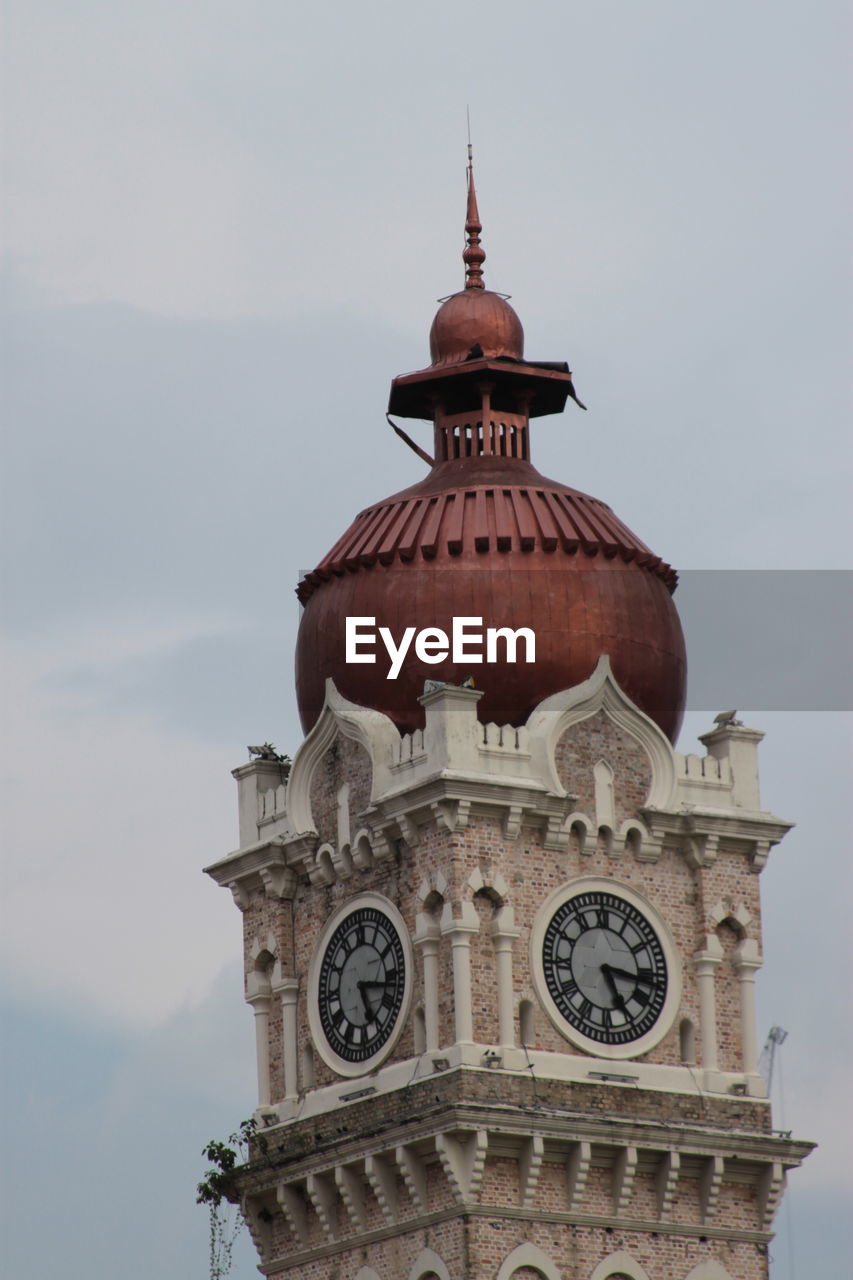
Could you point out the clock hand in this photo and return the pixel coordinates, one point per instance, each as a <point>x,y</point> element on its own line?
<point>635,977</point>
<point>362,985</point>
<point>618,998</point>
<point>364,1004</point>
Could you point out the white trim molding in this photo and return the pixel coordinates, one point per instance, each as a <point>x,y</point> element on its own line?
<point>340,1065</point>
<point>619,1264</point>
<point>550,720</point>
<point>708,1270</point>
<point>428,1263</point>
<point>634,1048</point>
<point>373,730</point>
<point>528,1255</point>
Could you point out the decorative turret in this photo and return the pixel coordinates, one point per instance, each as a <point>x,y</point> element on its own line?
<point>486,536</point>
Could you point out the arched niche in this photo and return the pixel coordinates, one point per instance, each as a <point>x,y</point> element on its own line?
<point>553,717</point>
<point>419,1029</point>
<point>529,1255</point>
<point>619,1266</point>
<point>527,1023</point>
<point>687,1042</point>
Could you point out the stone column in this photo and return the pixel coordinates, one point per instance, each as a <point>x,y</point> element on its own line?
<point>747,961</point>
<point>705,965</point>
<point>427,937</point>
<point>504,934</point>
<point>258,996</point>
<point>459,932</point>
<point>287,988</point>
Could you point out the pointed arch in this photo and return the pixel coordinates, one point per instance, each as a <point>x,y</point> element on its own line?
<point>708,1270</point>
<point>619,1265</point>
<point>373,730</point>
<point>426,1265</point>
<point>556,714</point>
<point>529,1255</point>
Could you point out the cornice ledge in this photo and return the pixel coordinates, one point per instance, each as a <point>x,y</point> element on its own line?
<point>740,824</point>
<point>526,801</point>
<point>507,1136</point>
<point>752,819</point>
<point>239,864</point>
<point>264,865</point>
<point>376,733</point>
<point>465,779</point>
<point>557,1126</point>
<point>550,720</point>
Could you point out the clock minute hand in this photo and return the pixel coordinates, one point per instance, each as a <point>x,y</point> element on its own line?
<point>635,977</point>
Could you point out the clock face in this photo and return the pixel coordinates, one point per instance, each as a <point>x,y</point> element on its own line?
<point>361,983</point>
<point>604,967</point>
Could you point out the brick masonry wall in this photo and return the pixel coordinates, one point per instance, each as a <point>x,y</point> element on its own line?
<point>598,738</point>
<point>490,1235</point>
<point>346,763</point>
<point>577,1251</point>
<point>321,1135</point>
<point>474,1246</point>
<point>685,897</point>
<point>688,899</point>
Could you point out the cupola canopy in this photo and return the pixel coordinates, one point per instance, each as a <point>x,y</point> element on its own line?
<point>485,538</point>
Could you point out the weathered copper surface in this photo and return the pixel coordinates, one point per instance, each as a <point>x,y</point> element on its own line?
<point>492,538</point>
<point>481,505</point>
<point>543,388</point>
<point>474,255</point>
<point>484,535</point>
<point>475,317</point>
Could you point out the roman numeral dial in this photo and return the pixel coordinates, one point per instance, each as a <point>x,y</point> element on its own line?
<point>604,967</point>
<point>361,983</point>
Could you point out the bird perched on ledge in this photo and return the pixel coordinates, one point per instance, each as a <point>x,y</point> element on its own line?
<point>266,751</point>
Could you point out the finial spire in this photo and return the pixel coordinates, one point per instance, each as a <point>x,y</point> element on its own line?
<point>474,256</point>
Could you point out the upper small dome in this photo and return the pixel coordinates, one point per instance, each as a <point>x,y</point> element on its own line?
<point>475,324</point>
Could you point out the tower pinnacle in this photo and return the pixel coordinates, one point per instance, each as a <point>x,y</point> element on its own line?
<point>474,255</point>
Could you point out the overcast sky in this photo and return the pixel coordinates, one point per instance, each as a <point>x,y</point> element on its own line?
<point>226,225</point>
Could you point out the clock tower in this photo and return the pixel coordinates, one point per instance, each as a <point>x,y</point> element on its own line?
<point>500,937</point>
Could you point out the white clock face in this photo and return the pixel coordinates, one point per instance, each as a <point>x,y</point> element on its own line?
<point>360,984</point>
<point>606,968</point>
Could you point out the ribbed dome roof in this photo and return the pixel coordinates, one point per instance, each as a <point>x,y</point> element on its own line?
<point>510,507</point>
<point>494,539</point>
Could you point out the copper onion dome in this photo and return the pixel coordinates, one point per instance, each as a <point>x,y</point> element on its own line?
<point>485,535</point>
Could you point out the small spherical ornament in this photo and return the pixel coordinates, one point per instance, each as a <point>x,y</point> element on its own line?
<point>475,321</point>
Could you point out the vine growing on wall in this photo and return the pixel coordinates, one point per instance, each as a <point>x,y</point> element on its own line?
<point>219,1188</point>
